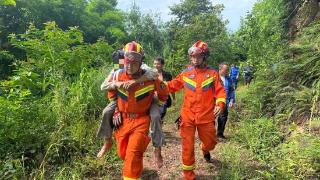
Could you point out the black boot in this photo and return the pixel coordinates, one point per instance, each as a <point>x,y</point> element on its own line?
<point>221,136</point>
<point>207,157</point>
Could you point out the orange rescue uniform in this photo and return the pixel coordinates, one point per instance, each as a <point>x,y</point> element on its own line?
<point>203,89</point>
<point>132,136</point>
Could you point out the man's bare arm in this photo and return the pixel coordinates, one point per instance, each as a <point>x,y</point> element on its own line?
<point>110,82</point>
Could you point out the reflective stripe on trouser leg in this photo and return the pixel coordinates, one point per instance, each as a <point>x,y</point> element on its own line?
<point>187,168</point>
<point>188,173</point>
<point>127,178</point>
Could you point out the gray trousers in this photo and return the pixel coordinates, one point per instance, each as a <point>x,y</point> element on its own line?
<point>105,131</point>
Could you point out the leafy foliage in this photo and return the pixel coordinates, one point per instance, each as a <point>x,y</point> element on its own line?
<point>7,2</point>
<point>52,99</point>
<point>52,55</point>
<point>96,19</point>
<point>196,20</point>
<point>298,158</point>
<point>262,33</point>
<point>284,99</point>
<point>288,74</point>
<point>147,30</point>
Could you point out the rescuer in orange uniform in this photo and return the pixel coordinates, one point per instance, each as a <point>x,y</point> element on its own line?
<point>203,100</point>
<point>132,136</point>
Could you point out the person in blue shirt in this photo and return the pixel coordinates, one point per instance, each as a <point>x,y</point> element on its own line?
<point>227,82</point>
<point>234,74</point>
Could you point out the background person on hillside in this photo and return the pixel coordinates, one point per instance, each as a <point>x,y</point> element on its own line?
<point>234,74</point>
<point>248,74</point>
<point>158,64</point>
<point>227,83</point>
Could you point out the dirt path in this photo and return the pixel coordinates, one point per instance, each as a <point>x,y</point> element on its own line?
<point>231,160</point>
<point>172,159</point>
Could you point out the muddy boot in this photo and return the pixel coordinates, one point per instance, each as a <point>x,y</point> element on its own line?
<point>105,148</point>
<point>157,157</point>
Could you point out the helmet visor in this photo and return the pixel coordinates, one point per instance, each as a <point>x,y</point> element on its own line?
<point>133,56</point>
<point>194,51</point>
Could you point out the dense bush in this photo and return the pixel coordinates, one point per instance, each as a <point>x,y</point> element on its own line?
<point>297,158</point>
<point>49,106</point>
<point>279,112</point>
<point>260,136</point>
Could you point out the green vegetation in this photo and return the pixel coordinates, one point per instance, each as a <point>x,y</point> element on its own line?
<point>196,20</point>
<point>279,113</point>
<point>268,148</point>
<point>50,105</point>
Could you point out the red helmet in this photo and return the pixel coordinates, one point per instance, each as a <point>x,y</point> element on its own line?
<point>133,51</point>
<point>133,48</point>
<point>199,48</point>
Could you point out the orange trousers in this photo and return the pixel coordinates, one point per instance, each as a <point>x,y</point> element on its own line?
<point>132,141</point>
<point>207,136</point>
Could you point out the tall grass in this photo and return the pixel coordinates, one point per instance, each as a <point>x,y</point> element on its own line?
<point>50,108</point>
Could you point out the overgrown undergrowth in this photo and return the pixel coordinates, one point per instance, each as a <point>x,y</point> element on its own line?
<point>262,148</point>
